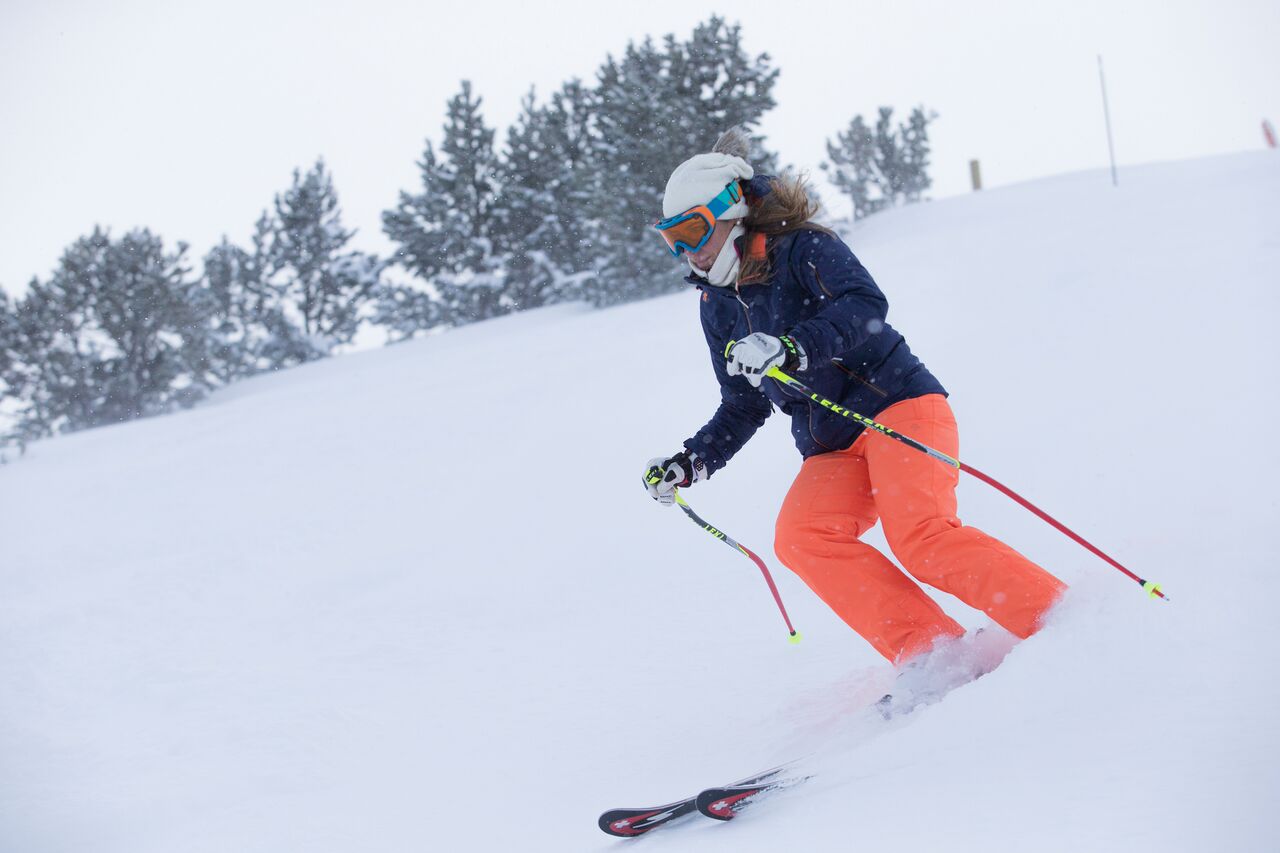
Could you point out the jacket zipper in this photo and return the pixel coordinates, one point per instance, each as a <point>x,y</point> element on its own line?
<point>807,402</point>
<point>876,388</point>
<point>818,278</point>
<point>815,438</point>
<point>868,383</point>
<point>738,295</point>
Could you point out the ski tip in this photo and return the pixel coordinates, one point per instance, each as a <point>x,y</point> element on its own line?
<point>719,803</point>
<point>623,825</point>
<point>628,823</point>
<point>725,803</point>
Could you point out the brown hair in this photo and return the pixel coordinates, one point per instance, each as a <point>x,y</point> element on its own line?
<point>786,208</point>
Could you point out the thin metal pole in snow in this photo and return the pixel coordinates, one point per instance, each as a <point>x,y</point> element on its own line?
<point>1106,112</point>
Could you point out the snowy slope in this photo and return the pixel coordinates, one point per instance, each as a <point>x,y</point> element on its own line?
<point>415,599</point>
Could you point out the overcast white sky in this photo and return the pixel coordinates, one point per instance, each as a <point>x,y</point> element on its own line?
<point>187,117</point>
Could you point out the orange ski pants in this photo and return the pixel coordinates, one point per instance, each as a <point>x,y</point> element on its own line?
<point>837,497</point>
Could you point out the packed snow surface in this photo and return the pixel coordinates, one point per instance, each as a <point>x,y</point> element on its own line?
<point>416,598</point>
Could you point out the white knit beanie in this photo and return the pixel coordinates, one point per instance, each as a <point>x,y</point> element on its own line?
<point>701,178</point>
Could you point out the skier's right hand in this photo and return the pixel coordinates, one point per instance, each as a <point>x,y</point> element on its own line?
<point>663,476</point>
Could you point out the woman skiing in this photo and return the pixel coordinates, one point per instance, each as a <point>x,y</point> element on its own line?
<point>780,291</point>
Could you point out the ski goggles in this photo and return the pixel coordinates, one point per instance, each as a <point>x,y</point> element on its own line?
<point>690,231</point>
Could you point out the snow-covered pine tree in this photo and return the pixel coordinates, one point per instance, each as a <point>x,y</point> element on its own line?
<point>568,127</point>
<point>318,286</point>
<point>655,108</point>
<point>733,89</point>
<point>639,126</point>
<point>537,217</point>
<point>230,274</point>
<point>26,343</point>
<point>445,232</point>
<point>884,166</point>
<point>888,158</point>
<point>914,141</point>
<point>249,332</point>
<point>9,401</point>
<point>851,167</point>
<point>8,344</point>
<point>9,365</point>
<point>525,219</point>
<point>117,332</point>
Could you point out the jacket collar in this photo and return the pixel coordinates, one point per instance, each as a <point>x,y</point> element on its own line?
<point>755,246</point>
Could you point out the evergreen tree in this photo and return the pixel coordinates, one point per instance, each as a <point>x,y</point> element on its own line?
<point>10,366</point>
<point>640,140</point>
<point>537,219</point>
<point>565,213</point>
<point>571,135</point>
<point>249,332</point>
<point>26,354</point>
<point>118,332</point>
<point>8,345</point>
<point>445,232</point>
<point>852,167</point>
<point>656,107</point>
<point>404,310</point>
<point>524,210</point>
<point>8,351</point>
<point>888,159</point>
<point>315,288</point>
<point>881,167</point>
<point>914,136</point>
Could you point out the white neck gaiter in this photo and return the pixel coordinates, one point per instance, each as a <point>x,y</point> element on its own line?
<point>724,271</point>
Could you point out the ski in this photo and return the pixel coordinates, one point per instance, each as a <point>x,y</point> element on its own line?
<point>917,685</point>
<point>628,823</point>
<point>725,803</point>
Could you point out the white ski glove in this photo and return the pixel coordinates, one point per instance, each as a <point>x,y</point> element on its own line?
<point>756,353</point>
<point>663,476</point>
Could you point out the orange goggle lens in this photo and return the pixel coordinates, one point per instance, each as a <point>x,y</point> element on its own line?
<point>688,231</point>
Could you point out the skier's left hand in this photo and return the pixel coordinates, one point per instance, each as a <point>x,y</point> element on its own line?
<point>663,476</point>
<point>756,353</point>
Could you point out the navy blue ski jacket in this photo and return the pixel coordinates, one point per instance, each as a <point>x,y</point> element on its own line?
<point>821,295</point>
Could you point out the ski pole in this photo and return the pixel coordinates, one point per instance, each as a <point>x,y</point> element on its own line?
<point>728,540</point>
<point>1153,589</point>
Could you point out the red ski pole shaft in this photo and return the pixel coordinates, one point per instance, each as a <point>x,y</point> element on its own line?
<point>728,540</point>
<point>1152,588</point>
